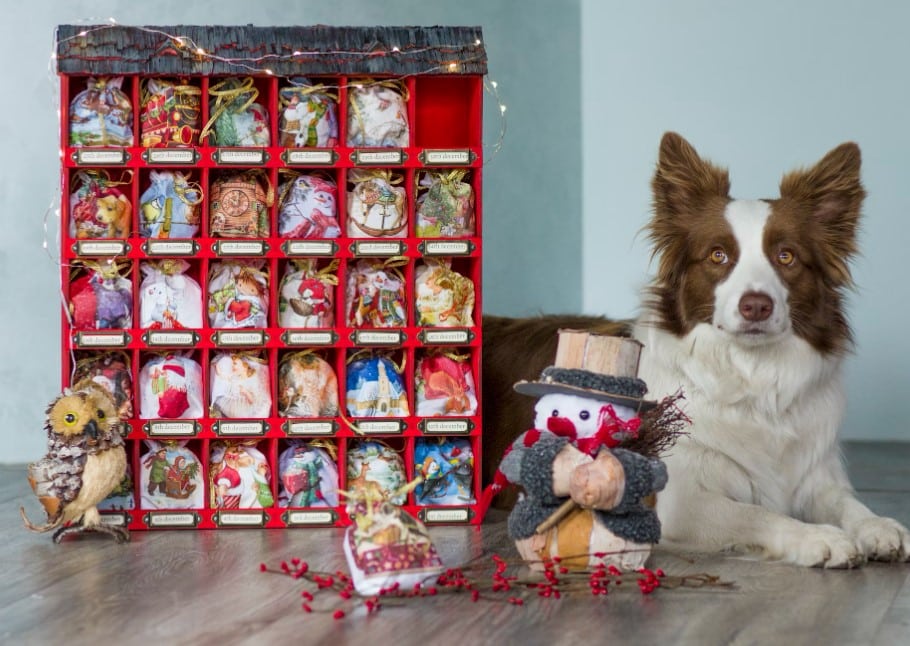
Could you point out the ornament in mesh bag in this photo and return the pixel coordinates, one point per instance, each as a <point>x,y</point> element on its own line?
<point>308,115</point>
<point>170,387</point>
<point>375,295</point>
<point>377,114</point>
<point>376,206</point>
<point>237,119</point>
<point>240,475</point>
<point>307,386</point>
<point>169,113</point>
<point>240,385</point>
<point>168,298</point>
<point>307,206</point>
<point>101,114</point>
<point>238,294</point>
<point>444,297</point>
<point>306,296</point>
<point>170,476</point>
<point>308,474</point>
<point>445,206</point>
<point>170,206</point>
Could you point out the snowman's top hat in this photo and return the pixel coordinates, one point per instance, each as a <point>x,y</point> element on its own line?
<point>593,366</point>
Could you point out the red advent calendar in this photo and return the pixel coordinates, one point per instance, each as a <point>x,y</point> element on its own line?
<point>271,243</point>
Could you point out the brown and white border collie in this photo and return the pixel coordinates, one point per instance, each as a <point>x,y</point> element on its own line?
<point>745,314</point>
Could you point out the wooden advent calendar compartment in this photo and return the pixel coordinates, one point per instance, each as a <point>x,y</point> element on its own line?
<point>442,72</point>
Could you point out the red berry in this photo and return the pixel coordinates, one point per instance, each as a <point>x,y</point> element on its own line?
<point>338,614</point>
<point>263,567</point>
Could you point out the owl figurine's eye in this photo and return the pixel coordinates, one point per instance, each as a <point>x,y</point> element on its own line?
<point>100,414</point>
<point>70,418</point>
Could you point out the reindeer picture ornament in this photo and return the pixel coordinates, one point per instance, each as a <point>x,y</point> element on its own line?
<point>591,459</point>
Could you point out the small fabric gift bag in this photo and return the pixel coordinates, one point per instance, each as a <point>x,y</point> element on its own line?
<point>169,113</point>
<point>377,114</point>
<point>386,547</point>
<point>240,476</point>
<point>308,475</point>
<point>375,387</point>
<point>236,117</point>
<point>445,208</point>
<point>373,465</point>
<point>111,371</point>
<point>376,208</point>
<point>447,468</point>
<point>170,206</point>
<point>307,206</point>
<point>445,298</point>
<point>170,476</point>
<point>101,115</point>
<point>375,295</point>
<point>101,298</point>
<point>98,209</point>
<point>170,387</point>
<point>168,298</point>
<point>240,385</point>
<point>238,294</point>
<point>307,386</point>
<point>308,115</point>
<point>445,385</point>
<point>306,297</point>
<point>239,205</point>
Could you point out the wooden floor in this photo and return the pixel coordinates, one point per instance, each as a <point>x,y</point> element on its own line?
<point>173,587</point>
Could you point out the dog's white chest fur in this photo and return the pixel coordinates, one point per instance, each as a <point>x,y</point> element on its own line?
<point>761,416</point>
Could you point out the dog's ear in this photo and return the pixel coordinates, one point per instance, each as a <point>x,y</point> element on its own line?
<point>683,181</point>
<point>831,194</point>
<point>831,189</point>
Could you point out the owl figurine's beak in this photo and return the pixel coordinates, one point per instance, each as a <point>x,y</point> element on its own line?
<point>91,429</point>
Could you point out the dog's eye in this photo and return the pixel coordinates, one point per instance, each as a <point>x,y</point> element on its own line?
<point>786,257</point>
<point>718,256</point>
<point>584,415</point>
<point>555,413</point>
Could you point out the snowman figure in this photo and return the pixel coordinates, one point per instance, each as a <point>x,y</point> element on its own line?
<point>589,406</point>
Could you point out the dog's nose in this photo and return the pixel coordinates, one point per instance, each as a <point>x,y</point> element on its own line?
<point>756,306</point>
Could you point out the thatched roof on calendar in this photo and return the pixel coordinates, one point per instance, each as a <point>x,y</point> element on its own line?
<point>282,51</point>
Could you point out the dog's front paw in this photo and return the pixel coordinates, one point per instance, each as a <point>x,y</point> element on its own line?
<point>882,539</point>
<point>822,546</point>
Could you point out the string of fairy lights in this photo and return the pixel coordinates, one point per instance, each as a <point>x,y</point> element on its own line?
<point>259,65</point>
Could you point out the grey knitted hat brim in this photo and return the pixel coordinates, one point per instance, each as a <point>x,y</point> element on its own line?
<point>623,391</point>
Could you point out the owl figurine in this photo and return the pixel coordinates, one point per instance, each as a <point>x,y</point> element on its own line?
<point>85,461</point>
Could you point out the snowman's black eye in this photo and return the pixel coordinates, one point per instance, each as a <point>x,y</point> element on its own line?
<point>584,415</point>
<point>555,413</point>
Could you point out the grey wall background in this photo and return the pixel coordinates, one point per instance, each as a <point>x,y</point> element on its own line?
<point>590,86</point>
<point>534,53</point>
<point>760,87</point>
